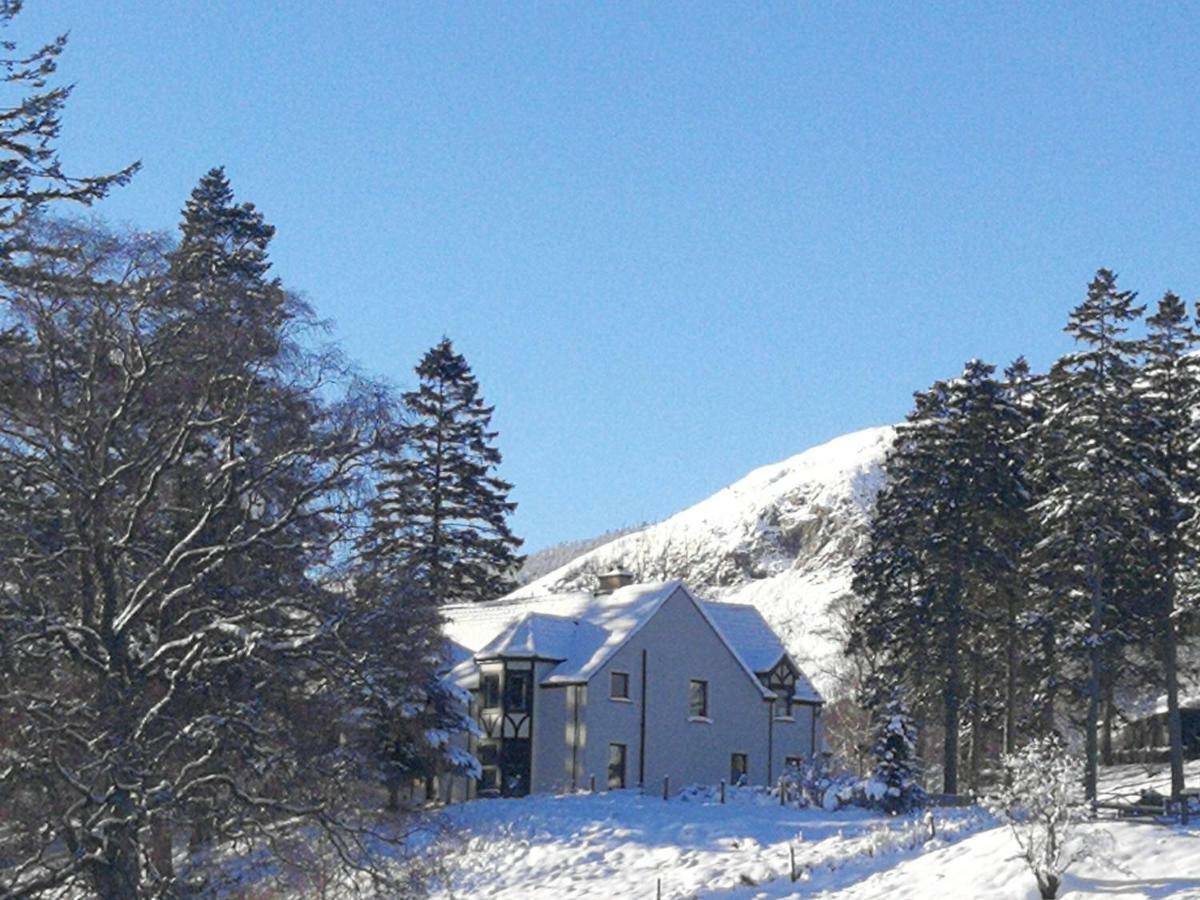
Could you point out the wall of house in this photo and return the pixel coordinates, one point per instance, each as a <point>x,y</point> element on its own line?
<point>680,645</point>
<point>552,721</point>
<point>794,737</point>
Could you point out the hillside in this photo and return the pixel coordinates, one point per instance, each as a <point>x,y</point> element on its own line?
<point>783,538</point>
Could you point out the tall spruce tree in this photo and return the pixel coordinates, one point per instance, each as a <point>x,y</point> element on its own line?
<point>1095,501</point>
<point>441,517</point>
<point>942,538</point>
<point>1168,390</point>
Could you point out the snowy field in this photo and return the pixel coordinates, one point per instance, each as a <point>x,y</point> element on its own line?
<point>624,845</point>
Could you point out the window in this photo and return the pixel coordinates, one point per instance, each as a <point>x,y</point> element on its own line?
<point>490,691</point>
<point>616,766</point>
<point>792,762</point>
<point>698,699</point>
<point>488,754</point>
<point>782,707</point>
<point>739,768</point>
<point>619,686</point>
<point>517,690</point>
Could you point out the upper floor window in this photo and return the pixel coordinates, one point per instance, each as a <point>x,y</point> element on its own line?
<point>698,699</point>
<point>619,686</point>
<point>518,691</point>
<point>489,690</point>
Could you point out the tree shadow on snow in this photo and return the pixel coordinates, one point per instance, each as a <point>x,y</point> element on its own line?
<point>1152,888</point>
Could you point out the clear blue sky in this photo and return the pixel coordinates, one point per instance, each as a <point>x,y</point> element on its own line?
<point>675,241</point>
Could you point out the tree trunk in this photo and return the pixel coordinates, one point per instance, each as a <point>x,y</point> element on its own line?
<point>976,724</point>
<point>1110,712</point>
<point>116,876</point>
<point>1174,719</point>
<point>951,696</point>
<point>161,848</point>
<point>1050,694</point>
<point>1095,666</point>
<point>1010,677</point>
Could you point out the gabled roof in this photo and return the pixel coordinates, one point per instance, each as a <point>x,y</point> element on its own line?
<point>756,642</point>
<point>581,631</point>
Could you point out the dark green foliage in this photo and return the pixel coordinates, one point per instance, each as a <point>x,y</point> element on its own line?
<point>1091,517</point>
<point>897,769</point>
<point>441,518</point>
<point>1168,393</point>
<point>944,535</point>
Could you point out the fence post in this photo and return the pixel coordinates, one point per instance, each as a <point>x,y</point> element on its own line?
<point>593,784</point>
<point>666,786</point>
<point>722,790</point>
<point>782,792</point>
<point>792,860</point>
<point>658,888</point>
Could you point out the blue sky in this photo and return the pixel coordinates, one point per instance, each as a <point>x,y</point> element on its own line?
<point>675,241</point>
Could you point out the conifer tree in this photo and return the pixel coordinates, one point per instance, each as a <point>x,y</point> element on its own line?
<point>442,515</point>
<point>1168,393</point>
<point>941,540</point>
<point>897,769</point>
<point>1090,513</point>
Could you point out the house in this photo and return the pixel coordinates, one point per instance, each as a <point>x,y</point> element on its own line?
<point>1145,737</point>
<point>624,687</point>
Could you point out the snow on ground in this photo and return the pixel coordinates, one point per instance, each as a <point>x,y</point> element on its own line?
<point>622,845</point>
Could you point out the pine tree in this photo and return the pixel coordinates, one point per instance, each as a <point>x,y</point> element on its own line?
<point>1168,392</point>
<point>441,518</point>
<point>897,770</point>
<point>1094,500</point>
<point>942,538</point>
<point>220,270</point>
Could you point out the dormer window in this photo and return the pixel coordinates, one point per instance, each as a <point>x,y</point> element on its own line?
<point>782,681</point>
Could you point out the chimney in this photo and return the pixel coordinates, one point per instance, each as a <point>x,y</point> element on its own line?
<point>612,580</point>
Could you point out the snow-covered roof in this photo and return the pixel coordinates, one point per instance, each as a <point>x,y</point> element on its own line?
<point>760,648</point>
<point>580,631</point>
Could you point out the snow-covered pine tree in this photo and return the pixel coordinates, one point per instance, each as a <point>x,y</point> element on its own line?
<point>1168,391</point>
<point>1093,509</point>
<point>897,769</point>
<point>941,542</point>
<point>441,516</point>
<point>1020,390</point>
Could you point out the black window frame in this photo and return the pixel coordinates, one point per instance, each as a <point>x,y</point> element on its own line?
<point>700,711</point>
<point>489,700</point>
<point>736,776</point>
<point>623,677</point>
<point>518,699</point>
<point>619,783</point>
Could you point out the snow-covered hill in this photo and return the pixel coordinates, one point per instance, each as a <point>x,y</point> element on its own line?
<point>782,538</point>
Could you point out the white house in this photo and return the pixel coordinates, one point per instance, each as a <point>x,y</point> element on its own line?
<point>627,686</point>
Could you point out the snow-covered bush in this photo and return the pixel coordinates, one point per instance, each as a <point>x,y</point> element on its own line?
<point>895,785</point>
<point>809,782</point>
<point>1042,802</point>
